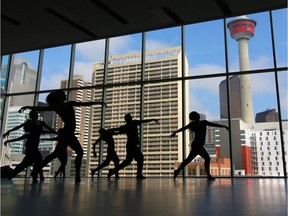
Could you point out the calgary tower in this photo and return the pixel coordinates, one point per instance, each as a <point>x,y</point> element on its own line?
<point>242,29</point>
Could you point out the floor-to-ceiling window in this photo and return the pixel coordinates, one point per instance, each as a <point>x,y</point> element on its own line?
<point>233,72</point>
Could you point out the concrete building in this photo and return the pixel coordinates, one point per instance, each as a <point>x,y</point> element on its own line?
<point>242,29</point>
<point>162,101</point>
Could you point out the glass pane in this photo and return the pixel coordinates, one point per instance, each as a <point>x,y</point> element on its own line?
<point>204,97</point>
<point>164,64</point>
<point>283,89</point>
<point>163,50</point>
<point>254,112</point>
<point>3,84</point>
<point>280,36</point>
<point>4,73</point>
<point>95,125</point>
<point>82,116</point>
<point>82,132</point>
<point>46,147</point>
<point>120,101</point>
<point>13,153</point>
<point>87,56</point>
<point>248,50</point>
<point>264,93</point>
<point>124,63</point>
<point>23,73</point>
<point>56,65</point>
<point>204,47</point>
<point>162,101</point>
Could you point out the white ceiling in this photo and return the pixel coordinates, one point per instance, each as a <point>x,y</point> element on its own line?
<point>35,24</point>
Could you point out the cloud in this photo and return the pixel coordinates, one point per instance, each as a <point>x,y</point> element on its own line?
<point>203,69</point>
<point>284,108</point>
<point>203,93</point>
<point>85,69</point>
<point>156,44</point>
<point>254,63</point>
<point>196,105</point>
<point>53,81</point>
<point>261,62</point>
<point>263,83</point>
<point>210,84</point>
<point>90,52</point>
<point>120,45</point>
<point>95,50</point>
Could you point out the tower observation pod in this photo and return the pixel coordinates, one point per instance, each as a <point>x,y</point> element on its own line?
<point>242,29</point>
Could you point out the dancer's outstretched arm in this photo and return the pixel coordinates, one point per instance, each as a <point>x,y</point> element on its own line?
<point>179,130</point>
<point>217,125</point>
<point>147,121</point>
<point>37,108</point>
<point>13,129</point>
<point>90,103</point>
<point>115,131</point>
<point>16,139</point>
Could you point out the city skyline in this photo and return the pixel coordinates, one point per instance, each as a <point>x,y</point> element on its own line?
<point>205,55</point>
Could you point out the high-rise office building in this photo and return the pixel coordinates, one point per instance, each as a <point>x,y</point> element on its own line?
<point>269,115</point>
<point>162,100</point>
<point>235,98</point>
<point>16,119</point>
<point>23,79</point>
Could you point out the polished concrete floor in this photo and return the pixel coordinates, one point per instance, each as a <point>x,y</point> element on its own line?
<point>152,196</point>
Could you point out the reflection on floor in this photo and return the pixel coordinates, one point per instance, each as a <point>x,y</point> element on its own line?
<point>152,196</point>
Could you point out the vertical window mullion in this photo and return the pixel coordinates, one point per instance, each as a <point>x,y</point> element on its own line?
<point>142,87</point>
<point>4,114</point>
<point>71,70</point>
<point>39,75</point>
<point>183,95</point>
<point>104,94</point>
<point>228,97</point>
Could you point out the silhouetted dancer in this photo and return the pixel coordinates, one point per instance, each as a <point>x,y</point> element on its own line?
<point>106,136</point>
<point>199,129</point>
<point>132,145</point>
<point>33,129</point>
<point>59,152</point>
<point>57,102</point>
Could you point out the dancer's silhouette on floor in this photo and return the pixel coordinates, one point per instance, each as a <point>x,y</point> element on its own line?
<point>33,129</point>
<point>106,136</point>
<point>132,145</point>
<point>57,102</point>
<point>59,152</point>
<point>199,129</point>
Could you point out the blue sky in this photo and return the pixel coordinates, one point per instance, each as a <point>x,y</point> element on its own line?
<point>205,53</point>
